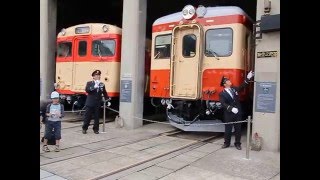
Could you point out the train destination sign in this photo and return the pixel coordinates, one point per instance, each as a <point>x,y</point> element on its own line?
<point>266,54</point>
<point>82,30</point>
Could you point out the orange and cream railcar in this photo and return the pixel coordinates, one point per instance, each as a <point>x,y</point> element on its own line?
<point>191,52</point>
<point>83,48</point>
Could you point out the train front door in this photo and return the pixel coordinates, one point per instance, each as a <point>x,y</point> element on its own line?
<point>185,62</point>
<point>64,65</point>
<point>81,72</point>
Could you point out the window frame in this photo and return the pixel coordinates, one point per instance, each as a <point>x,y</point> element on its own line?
<point>70,49</point>
<point>86,41</point>
<point>97,55</point>
<point>155,40</point>
<point>195,53</point>
<point>205,45</point>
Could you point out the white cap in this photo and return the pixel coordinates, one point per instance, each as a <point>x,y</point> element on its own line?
<point>54,94</point>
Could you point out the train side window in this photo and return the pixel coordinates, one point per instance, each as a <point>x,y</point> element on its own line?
<point>219,42</point>
<point>104,47</point>
<point>64,49</point>
<point>189,45</point>
<point>82,49</point>
<point>162,48</point>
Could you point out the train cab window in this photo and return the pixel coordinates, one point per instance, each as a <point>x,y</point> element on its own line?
<point>82,49</point>
<point>162,48</point>
<point>189,45</point>
<point>64,49</point>
<point>103,47</point>
<point>219,42</point>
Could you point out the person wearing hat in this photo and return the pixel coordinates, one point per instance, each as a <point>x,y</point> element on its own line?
<point>54,113</point>
<point>232,110</point>
<point>95,90</point>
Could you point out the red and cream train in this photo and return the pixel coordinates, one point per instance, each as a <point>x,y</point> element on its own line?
<point>191,52</point>
<point>83,48</point>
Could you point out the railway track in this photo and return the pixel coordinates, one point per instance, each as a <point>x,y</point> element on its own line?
<point>200,139</point>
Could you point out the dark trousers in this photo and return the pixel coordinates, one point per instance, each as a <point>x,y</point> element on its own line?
<point>88,116</point>
<point>228,133</point>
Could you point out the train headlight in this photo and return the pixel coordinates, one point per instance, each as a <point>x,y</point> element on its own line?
<point>105,28</point>
<point>192,11</point>
<point>63,31</point>
<point>201,11</point>
<point>188,12</point>
<point>185,12</point>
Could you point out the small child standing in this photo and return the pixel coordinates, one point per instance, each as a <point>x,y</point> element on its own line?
<point>55,113</point>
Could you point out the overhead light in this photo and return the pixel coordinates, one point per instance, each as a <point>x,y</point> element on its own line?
<point>188,12</point>
<point>105,28</point>
<point>63,31</point>
<point>201,11</point>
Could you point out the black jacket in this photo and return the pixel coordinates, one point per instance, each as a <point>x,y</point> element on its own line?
<point>228,102</point>
<point>94,97</point>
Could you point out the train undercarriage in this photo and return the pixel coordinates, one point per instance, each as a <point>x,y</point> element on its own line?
<point>197,115</point>
<point>76,103</point>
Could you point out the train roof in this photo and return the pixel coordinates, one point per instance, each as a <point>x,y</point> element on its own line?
<point>211,12</point>
<point>95,28</point>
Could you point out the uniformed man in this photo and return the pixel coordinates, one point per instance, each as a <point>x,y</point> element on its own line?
<point>96,93</point>
<point>232,110</point>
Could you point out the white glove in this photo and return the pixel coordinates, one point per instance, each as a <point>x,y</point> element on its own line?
<point>109,104</point>
<point>250,75</point>
<point>101,84</point>
<point>234,110</point>
<point>96,86</point>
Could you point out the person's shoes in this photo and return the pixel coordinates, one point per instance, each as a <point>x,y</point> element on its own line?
<point>84,131</point>
<point>45,148</point>
<point>96,132</point>
<point>57,149</point>
<point>238,147</point>
<point>225,146</point>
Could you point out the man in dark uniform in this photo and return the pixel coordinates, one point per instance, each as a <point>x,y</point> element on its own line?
<point>232,109</point>
<point>95,90</point>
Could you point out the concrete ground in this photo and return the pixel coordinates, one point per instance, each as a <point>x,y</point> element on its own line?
<point>148,153</point>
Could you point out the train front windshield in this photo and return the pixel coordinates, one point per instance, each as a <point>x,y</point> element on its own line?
<point>103,47</point>
<point>163,46</point>
<point>219,42</point>
<point>64,49</point>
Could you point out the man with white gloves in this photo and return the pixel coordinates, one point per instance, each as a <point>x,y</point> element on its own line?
<point>95,90</point>
<point>229,99</point>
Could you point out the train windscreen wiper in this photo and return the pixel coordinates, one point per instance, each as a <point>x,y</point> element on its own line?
<point>210,52</point>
